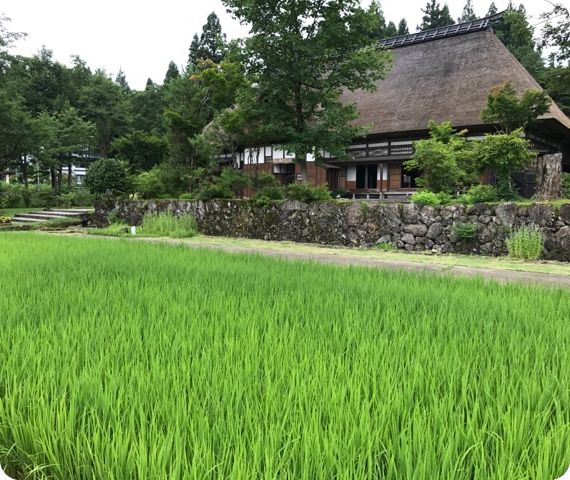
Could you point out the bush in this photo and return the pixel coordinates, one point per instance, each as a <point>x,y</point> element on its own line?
<point>271,193</point>
<point>107,176</point>
<point>480,194</point>
<point>423,197</point>
<point>14,195</point>
<point>464,231</point>
<point>42,196</point>
<point>525,243</point>
<point>307,193</point>
<point>211,192</point>
<point>258,181</point>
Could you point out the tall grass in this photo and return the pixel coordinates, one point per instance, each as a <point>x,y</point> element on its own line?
<point>124,360</point>
<point>525,243</point>
<point>165,224</point>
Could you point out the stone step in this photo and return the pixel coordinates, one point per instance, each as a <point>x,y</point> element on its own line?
<point>39,215</point>
<point>75,211</point>
<point>65,213</point>
<point>19,219</point>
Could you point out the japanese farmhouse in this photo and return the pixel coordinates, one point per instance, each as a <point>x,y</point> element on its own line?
<point>443,74</point>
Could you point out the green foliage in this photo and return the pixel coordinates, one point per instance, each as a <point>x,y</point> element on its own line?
<point>176,350</point>
<point>510,112</point>
<point>503,154</point>
<point>435,16</point>
<point>107,176</point>
<point>167,225</point>
<point>213,191</point>
<point>307,193</point>
<point>211,45</point>
<point>556,31</point>
<point>464,230</point>
<point>525,243</point>
<point>479,194</point>
<point>152,184</point>
<point>116,229</point>
<point>425,197</point>
<point>566,185</point>
<point>270,193</point>
<point>516,33</point>
<point>443,160</point>
<point>300,56</point>
<point>140,150</point>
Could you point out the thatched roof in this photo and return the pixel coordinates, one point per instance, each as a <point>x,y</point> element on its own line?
<point>444,80</point>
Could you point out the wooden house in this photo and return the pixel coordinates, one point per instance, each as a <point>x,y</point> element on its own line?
<point>443,74</point>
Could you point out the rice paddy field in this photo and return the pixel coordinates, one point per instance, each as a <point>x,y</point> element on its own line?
<point>126,360</point>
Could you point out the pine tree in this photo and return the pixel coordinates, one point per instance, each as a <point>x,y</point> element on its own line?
<point>211,43</point>
<point>468,14</point>
<point>403,27</point>
<point>379,30</point>
<point>172,73</point>
<point>435,16</point>
<point>492,10</point>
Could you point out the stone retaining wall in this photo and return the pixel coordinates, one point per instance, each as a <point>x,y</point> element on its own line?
<point>362,224</point>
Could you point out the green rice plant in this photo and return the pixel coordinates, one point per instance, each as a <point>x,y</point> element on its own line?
<point>113,230</point>
<point>133,360</point>
<point>525,243</point>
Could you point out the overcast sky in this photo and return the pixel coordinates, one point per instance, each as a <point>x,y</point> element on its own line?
<point>143,37</point>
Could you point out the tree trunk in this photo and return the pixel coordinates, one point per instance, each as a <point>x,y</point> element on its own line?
<point>25,171</point>
<point>53,175</point>
<point>59,177</point>
<point>550,171</point>
<point>303,169</point>
<point>69,176</point>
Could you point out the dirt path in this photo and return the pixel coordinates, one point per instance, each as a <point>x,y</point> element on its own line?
<point>502,276</point>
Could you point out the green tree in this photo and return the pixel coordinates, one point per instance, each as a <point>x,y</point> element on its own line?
<point>106,104</point>
<point>403,27</point>
<point>211,45</point>
<point>172,73</point>
<point>435,16</point>
<point>140,150</point>
<point>468,14</point>
<point>556,31</point>
<point>64,136</point>
<point>146,109</point>
<point>443,160</point>
<point>517,35</point>
<point>8,38</point>
<point>510,112</point>
<point>299,57</point>
<point>503,154</point>
<point>492,9</point>
<point>107,176</point>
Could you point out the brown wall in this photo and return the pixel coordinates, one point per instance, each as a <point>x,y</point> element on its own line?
<point>395,175</point>
<point>317,175</point>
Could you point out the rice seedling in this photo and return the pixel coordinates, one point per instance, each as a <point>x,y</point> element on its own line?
<point>128,360</point>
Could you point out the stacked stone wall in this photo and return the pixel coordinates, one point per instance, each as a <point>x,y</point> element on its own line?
<point>361,224</point>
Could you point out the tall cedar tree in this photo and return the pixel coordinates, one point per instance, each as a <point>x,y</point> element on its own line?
<point>468,14</point>
<point>299,57</point>
<point>403,27</point>
<point>517,35</point>
<point>211,43</point>
<point>435,16</point>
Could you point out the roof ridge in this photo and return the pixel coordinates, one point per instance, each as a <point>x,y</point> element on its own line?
<point>441,32</point>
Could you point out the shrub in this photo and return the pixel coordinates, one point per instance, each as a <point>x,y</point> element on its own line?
<point>271,193</point>
<point>107,176</point>
<point>308,193</point>
<point>464,231</point>
<point>210,192</point>
<point>258,181</point>
<point>525,243</point>
<point>423,197</point>
<point>480,194</point>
